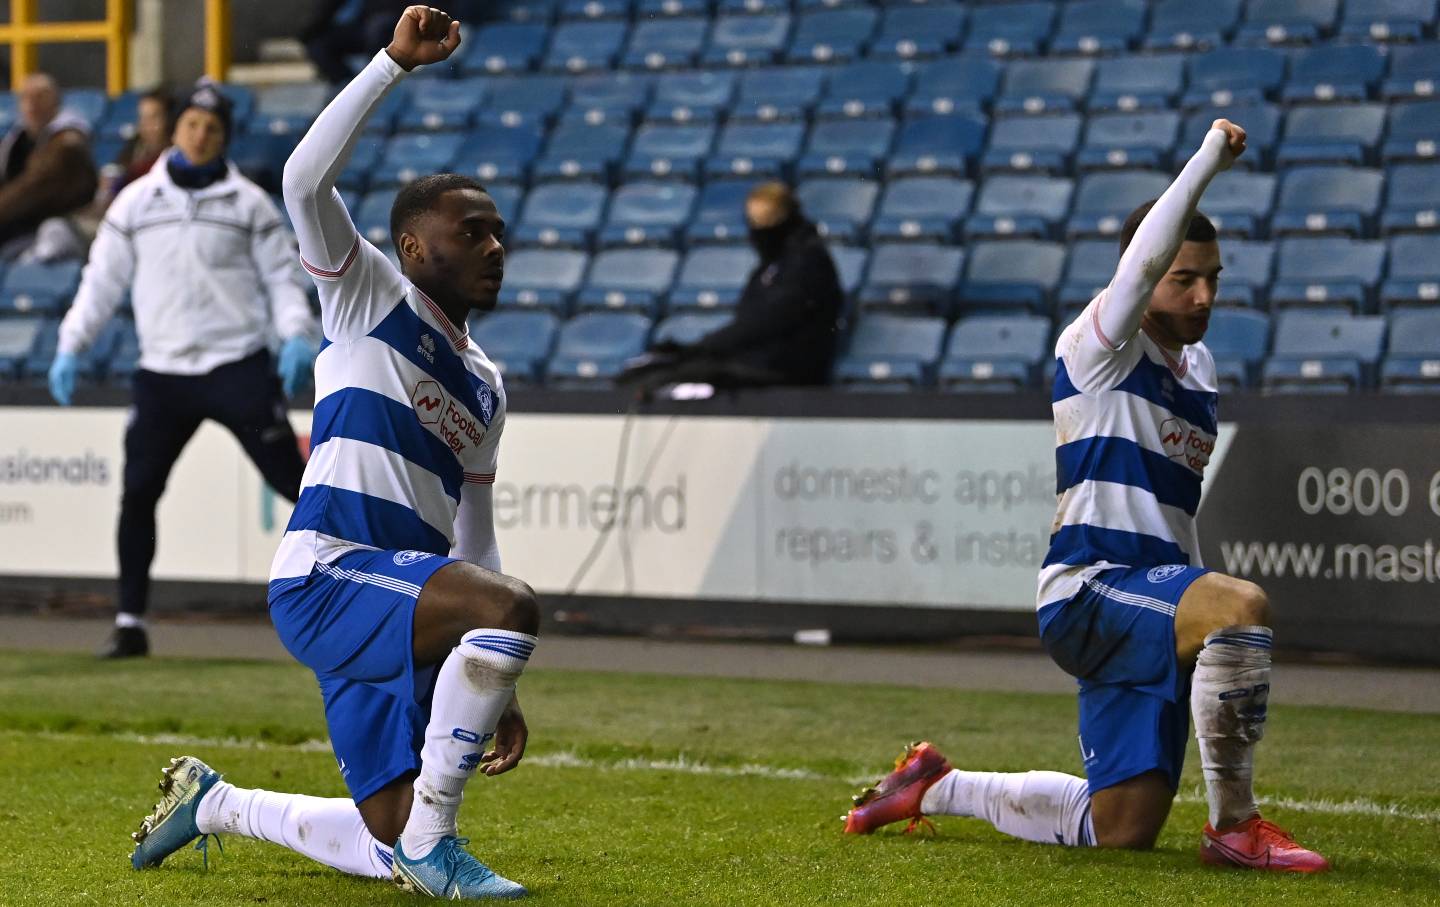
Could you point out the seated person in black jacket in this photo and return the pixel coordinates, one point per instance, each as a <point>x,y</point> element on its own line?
<point>787,319</point>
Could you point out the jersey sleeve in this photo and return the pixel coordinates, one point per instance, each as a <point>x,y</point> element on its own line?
<point>475,518</point>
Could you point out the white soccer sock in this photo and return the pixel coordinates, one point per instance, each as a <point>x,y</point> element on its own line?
<point>329,831</point>
<point>1044,807</point>
<point>475,684</point>
<point>1227,700</point>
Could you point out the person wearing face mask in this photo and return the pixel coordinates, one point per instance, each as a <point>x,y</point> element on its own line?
<point>210,269</point>
<point>786,321</point>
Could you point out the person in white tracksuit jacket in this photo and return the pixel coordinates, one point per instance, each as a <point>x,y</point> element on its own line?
<point>210,267</point>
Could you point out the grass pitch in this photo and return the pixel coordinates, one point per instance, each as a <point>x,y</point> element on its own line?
<point>650,790</point>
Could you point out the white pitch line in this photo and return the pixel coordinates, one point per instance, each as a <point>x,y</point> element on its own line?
<point>685,765</point>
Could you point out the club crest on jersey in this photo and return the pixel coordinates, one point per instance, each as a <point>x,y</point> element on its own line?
<point>1161,574</point>
<point>429,402</point>
<point>487,403</point>
<point>427,348</point>
<point>406,558</point>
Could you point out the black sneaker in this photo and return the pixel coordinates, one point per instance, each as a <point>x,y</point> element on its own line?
<point>125,642</point>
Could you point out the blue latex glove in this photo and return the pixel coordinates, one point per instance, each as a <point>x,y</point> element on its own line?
<point>62,377</point>
<point>297,364</point>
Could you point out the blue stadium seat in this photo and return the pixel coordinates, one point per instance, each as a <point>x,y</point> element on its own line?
<point>528,10</point>
<point>840,207</point>
<point>38,289</point>
<point>1019,206</point>
<point>666,43</point>
<point>1008,275</point>
<point>412,155</point>
<point>281,109</point>
<point>912,276</point>
<point>648,213</point>
<point>89,104</point>
<point>118,121</point>
<point>1090,267</point>
<point>1262,132</point>
<point>1247,266</point>
<point>1098,26</point>
<point>1137,83</point>
<point>632,279</point>
<point>1327,271</point>
<point>994,353</point>
<point>514,102</point>
<point>560,214</point>
<point>1007,29</point>
<point>504,47</point>
<point>1414,272</point>
<point>1334,72</point>
<point>580,150</point>
<point>918,32</point>
<point>363,159</point>
<point>779,93</point>
<point>720,213</point>
<point>1234,75</point>
<point>1331,134</point>
<point>443,105</point>
<point>262,157</point>
<point>506,197</point>
<point>755,150</point>
<point>892,350</point>
<point>1328,200</point>
<point>1104,200</point>
<point>1187,25</point>
<point>124,355</point>
<point>649,9</point>
<point>1238,340</point>
<point>926,208</point>
<point>1121,140</point>
<point>543,278</point>
<point>519,343</point>
<point>1414,133</point>
<point>613,93</point>
<point>1048,85</point>
<point>9,110</point>
<point>1413,198</point>
<point>689,327</point>
<point>871,88</point>
<point>832,35</point>
<point>747,40</point>
<point>846,147</point>
<point>372,217</point>
<point>594,9</point>
<point>853,265</point>
<point>712,277</point>
<point>1414,71</point>
<point>937,145</point>
<point>964,85</point>
<point>593,348</point>
<point>585,46</point>
<point>663,150</point>
<point>754,7</point>
<point>18,337</point>
<point>1319,352</point>
<point>1288,21</point>
<point>1413,362</point>
<point>1035,143</point>
<point>683,97</point>
<point>499,154</point>
<point>1388,20</point>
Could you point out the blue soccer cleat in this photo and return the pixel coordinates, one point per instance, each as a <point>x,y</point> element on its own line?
<point>171,825</point>
<point>450,872</point>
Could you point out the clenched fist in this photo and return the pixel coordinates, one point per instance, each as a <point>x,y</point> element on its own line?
<point>423,35</point>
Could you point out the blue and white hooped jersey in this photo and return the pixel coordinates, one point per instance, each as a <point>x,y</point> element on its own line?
<point>407,412</point>
<point>1134,430</point>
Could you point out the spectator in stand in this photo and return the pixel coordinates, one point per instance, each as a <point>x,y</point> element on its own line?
<point>46,175</point>
<point>141,150</point>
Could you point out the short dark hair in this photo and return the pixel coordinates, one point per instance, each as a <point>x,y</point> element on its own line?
<point>1201,229</point>
<point>416,198</point>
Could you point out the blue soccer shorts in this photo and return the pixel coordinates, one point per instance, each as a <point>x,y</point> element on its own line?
<point>352,622</point>
<point>1117,637</point>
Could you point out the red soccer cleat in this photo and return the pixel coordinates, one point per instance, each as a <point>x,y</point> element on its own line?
<point>897,796</point>
<point>1257,844</point>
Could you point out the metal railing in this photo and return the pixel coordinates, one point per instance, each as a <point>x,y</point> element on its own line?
<point>24,33</point>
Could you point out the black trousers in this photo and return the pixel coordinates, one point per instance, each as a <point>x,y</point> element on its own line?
<point>243,396</point>
<point>724,374</point>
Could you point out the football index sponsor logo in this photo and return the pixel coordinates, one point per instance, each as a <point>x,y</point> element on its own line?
<point>1186,443</point>
<point>428,401</point>
<point>1161,574</point>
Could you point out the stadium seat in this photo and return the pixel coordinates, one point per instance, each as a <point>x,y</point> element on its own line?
<point>1007,29</point>
<point>507,199</point>
<point>289,108</point>
<point>712,277</point>
<point>1187,25</point>
<point>504,47</point>
<point>582,150</point>
<point>1262,132</point>
<point>372,216</point>
<point>853,265</point>
<point>18,337</point>
<point>1324,352</point>
<point>499,153</point>
<point>519,343</point>
<point>912,277</point>
<point>840,207</point>
<point>1238,340</point>
<point>118,122</point>
<point>560,214</point>
<point>622,93</point>
<point>994,353</point>
<point>37,288</point>
<point>594,9</point>
<point>593,348</point>
<point>1414,277</point>
<point>1007,275</point>
<point>9,109</point>
<point>1327,271</point>
<point>832,35</point>
<point>443,105</point>
<point>755,7</point>
<point>937,145</point>
<point>747,40</point>
<point>1288,21</point>
<point>1387,20</point>
<point>1088,270</point>
<point>666,43</point>
<point>585,46</point>
<point>1414,133</point>
<point>532,100</point>
<point>688,327</point>
<point>755,150</point>
<point>1334,72</point>
<point>685,97</point>
<point>1098,26</point>
<point>891,350</point>
<point>871,88</point>
<point>1137,83</point>
<point>1414,71</point>
<point>631,279</point>
<point>1104,200</point>
<point>648,213</point>
<point>1413,198</point>
<point>1413,361</point>
<point>1331,134</point>
<point>948,86</point>
<point>1239,202</point>
<point>918,32</point>
<point>1039,143</point>
<point>409,156</point>
<point>543,278</point>
<point>669,150</point>
<point>923,208</point>
<point>363,159</point>
<point>1342,200</point>
<point>89,104</point>
<point>1019,206</point>
<point>786,93</point>
<point>846,147</point>
<point>261,157</point>
<point>528,10</point>
<point>1044,86</point>
<point>1121,140</point>
<point>1247,268</point>
<point>1234,75</point>
<point>720,213</point>
<point>649,9</point>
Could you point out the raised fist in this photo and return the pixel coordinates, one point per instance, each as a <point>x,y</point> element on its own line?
<point>423,35</point>
<point>1234,138</point>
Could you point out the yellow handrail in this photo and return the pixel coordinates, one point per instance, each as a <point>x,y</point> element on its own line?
<point>217,39</point>
<point>24,35</point>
